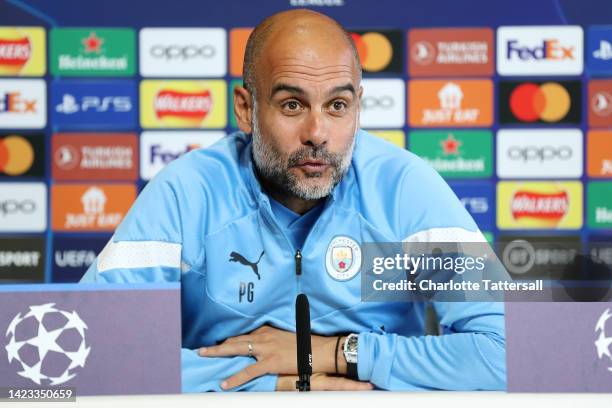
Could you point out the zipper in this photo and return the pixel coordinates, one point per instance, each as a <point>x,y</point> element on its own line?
<point>298,270</point>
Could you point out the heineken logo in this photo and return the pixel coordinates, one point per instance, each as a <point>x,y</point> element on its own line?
<point>93,52</point>
<point>455,154</point>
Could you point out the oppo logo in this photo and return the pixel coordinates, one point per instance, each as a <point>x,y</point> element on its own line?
<point>371,102</point>
<point>543,153</point>
<point>14,206</point>
<point>184,52</point>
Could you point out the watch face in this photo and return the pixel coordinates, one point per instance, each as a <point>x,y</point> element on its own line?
<point>350,351</point>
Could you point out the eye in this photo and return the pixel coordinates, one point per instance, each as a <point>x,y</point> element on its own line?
<point>291,106</point>
<point>339,106</point>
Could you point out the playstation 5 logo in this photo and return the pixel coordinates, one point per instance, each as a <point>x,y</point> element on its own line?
<point>604,52</point>
<point>70,105</point>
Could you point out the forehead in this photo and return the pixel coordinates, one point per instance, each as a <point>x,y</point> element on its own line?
<point>312,58</point>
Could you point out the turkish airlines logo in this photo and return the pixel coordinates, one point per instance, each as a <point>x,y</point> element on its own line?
<point>454,103</point>
<point>451,52</point>
<point>600,103</point>
<point>90,208</point>
<point>540,102</point>
<point>23,207</point>
<point>539,153</point>
<point>540,50</point>
<point>83,156</point>
<point>382,104</point>
<point>183,52</point>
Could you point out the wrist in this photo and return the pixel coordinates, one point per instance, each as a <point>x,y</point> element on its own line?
<point>324,355</point>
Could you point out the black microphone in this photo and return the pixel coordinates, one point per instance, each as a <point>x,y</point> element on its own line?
<point>304,348</point>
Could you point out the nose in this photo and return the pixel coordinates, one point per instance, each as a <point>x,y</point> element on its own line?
<point>315,130</point>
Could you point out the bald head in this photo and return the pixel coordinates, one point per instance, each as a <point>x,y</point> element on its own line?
<point>305,30</point>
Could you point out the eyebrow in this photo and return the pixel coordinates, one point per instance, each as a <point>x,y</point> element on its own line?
<point>299,91</point>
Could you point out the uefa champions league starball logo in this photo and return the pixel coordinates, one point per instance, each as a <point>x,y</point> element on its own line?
<point>604,340</point>
<point>48,344</point>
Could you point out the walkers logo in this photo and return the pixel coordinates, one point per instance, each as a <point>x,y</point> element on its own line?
<point>183,104</point>
<point>540,50</point>
<point>478,198</point>
<point>22,155</point>
<point>450,52</point>
<point>72,256</point>
<point>23,103</point>
<point>22,259</point>
<point>94,156</point>
<point>397,137</point>
<point>84,207</point>
<point>539,153</point>
<point>23,207</point>
<point>599,154</point>
<point>22,51</point>
<point>599,50</point>
<point>455,154</point>
<point>600,103</point>
<point>183,52</point>
<point>78,104</point>
<point>599,210</point>
<point>380,51</point>
<point>383,104</point>
<point>238,39</point>
<point>160,148</point>
<point>92,52</point>
<point>539,205</point>
<point>450,103</point>
<point>540,102</point>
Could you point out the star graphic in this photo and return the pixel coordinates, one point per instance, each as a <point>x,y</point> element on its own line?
<point>62,379</point>
<point>601,323</point>
<point>39,311</point>
<point>33,373</point>
<point>16,320</point>
<point>74,321</point>
<point>603,345</point>
<point>46,341</point>
<point>450,145</point>
<point>92,43</point>
<point>78,357</point>
<point>12,349</point>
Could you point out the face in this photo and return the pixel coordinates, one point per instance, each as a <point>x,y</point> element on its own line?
<point>304,119</point>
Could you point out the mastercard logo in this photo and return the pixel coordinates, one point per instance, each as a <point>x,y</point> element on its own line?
<point>16,155</point>
<point>374,49</point>
<point>548,102</point>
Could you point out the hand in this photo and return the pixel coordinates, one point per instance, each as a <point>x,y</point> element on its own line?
<point>323,382</point>
<point>275,351</point>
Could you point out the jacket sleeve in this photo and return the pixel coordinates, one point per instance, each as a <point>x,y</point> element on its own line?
<point>471,353</point>
<point>148,246</point>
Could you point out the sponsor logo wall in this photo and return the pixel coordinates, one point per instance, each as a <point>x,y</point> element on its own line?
<point>518,119</point>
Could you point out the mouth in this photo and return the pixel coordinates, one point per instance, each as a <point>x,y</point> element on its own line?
<point>312,165</point>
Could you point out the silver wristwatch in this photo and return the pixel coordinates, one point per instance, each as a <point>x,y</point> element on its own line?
<point>350,348</point>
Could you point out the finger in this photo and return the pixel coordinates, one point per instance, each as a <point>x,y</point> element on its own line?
<point>225,350</point>
<point>341,384</point>
<point>244,376</point>
<point>243,338</point>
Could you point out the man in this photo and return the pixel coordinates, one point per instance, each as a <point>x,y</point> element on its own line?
<point>273,211</point>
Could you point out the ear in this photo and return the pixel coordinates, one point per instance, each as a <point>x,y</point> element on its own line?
<point>243,109</point>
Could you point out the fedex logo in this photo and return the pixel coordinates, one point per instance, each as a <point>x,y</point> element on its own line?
<point>548,49</point>
<point>165,156</point>
<point>540,50</point>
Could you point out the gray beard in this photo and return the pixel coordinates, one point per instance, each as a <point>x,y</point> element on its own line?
<point>274,168</point>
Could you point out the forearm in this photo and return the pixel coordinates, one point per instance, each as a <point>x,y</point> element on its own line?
<point>458,361</point>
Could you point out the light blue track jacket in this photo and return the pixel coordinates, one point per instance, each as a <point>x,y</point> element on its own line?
<point>205,222</point>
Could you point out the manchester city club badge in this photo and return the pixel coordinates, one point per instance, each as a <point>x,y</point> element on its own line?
<point>343,258</point>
